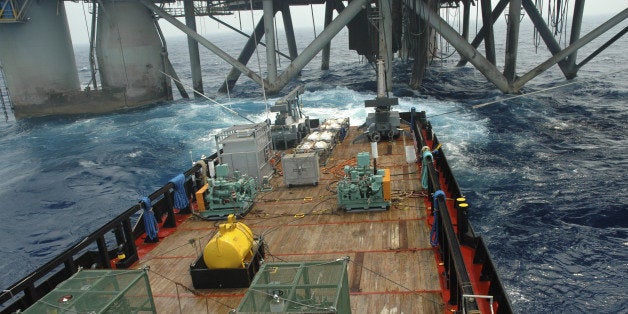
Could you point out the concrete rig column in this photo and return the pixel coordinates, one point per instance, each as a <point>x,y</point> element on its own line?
<point>38,60</point>
<point>129,54</point>
<point>269,29</point>
<point>195,59</point>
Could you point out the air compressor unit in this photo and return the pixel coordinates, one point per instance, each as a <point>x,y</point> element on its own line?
<point>363,188</point>
<point>226,195</point>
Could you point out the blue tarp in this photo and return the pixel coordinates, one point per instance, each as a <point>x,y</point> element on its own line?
<point>150,222</point>
<point>180,199</point>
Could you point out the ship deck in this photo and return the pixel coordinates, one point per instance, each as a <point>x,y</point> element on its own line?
<point>392,268</point>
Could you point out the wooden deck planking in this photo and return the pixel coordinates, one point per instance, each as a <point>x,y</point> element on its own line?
<point>397,303</point>
<point>392,265</point>
<point>375,235</point>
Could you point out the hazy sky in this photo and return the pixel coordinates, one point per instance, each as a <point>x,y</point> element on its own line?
<point>301,16</point>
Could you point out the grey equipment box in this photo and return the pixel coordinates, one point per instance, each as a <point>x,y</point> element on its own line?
<point>247,149</point>
<point>300,169</point>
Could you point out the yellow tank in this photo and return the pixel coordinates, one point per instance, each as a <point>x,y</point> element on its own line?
<point>231,247</point>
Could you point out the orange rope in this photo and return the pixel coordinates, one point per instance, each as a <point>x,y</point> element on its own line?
<point>339,169</point>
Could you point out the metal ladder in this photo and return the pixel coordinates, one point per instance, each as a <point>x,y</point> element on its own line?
<point>5,99</point>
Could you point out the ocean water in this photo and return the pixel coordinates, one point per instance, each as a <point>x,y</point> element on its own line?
<point>545,174</point>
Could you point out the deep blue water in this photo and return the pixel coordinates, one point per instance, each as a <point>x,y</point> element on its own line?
<point>545,174</point>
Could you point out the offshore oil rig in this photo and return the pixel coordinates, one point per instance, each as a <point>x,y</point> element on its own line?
<point>129,58</point>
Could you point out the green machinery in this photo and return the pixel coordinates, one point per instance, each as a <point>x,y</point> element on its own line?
<point>226,195</point>
<point>363,188</point>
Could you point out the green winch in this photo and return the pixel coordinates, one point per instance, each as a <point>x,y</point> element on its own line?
<point>226,195</point>
<point>363,188</point>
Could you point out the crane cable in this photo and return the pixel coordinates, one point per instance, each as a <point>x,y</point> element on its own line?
<point>204,96</point>
<point>505,99</point>
<point>517,96</point>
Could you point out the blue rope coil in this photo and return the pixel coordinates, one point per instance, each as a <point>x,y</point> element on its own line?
<point>150,222</point>
<point>180,199</point>
<point>434,231</point>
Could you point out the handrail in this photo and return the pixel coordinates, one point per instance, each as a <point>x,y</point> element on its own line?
<point>458,280</point>
<point>3,95</point>
<point>28,289</point>
<point>496,289</point>
<point>467,236</point>
<point>449,248</point>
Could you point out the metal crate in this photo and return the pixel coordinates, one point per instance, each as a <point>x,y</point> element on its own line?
<point>300,169</point>
<point>247,149</point>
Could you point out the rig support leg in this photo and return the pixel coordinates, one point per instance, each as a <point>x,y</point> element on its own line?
<point>544,32</point>
<point>317,44</point>
<point>489,38</point>
<point>244,57</point>
<point>92,44</point>
<point>385,40</point>
<point>489,70</point>
<point>499,8</point>
<point>168,68</point>
<point>466,13</point>
<point>329,11</point>
<point>612,22</point>
<point>287,24</point>
<point>269,29</point>
<point>206,43</point>
<point>512,40</point>
<point>195,59</point>
<point>420,52</point>
<point>576,25</point>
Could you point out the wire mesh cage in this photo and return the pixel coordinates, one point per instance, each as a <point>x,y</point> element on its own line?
<point>299,287</point>
<point>99,291</point>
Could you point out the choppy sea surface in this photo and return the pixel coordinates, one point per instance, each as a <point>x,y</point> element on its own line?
<point>545,174</point>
